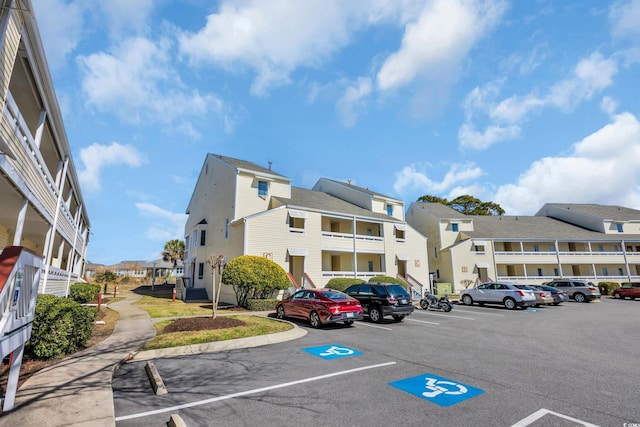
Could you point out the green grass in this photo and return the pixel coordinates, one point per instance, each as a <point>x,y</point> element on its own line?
<point>254,326</point>
<point>160,307</point>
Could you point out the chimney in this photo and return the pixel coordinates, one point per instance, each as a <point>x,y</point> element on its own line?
<point>270,165</point>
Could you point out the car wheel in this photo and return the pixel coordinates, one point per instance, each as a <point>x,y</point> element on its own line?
<point>616,296</point>
<point>556,303</point>
<point>579,297</point>
<point>280,312</point>
<point>348,322</point>
<point>375,314</point>
<point>424,304</point>
<point>510,303</point>
<point>314,319</point>
<point>467,300</point>
<point>398,317</point>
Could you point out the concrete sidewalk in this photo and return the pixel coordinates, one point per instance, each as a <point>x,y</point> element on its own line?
<point>77,391</point>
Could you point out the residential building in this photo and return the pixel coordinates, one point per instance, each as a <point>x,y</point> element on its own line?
<point>41,205</point>
<point>582,241</point>
<point>333,230</point>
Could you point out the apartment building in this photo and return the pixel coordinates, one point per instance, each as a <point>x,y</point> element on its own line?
<point>583,241</point>
<point>41,205</point>
<point>333,230</point>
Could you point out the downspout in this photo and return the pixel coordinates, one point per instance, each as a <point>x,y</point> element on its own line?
<point>73,251</point>
<point>355,255</point>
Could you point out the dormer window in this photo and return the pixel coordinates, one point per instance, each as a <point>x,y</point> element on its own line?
<point>619,227</point>
<point>263,188</point>
<point>390,210</point>
<point>454,227</point>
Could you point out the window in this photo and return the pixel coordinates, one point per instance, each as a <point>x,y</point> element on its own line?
<point>399,233</point>
<point>552,248</point>
<point>435,252</point>
<point>226,229</point>
<point>438,273</point>
<point>479,248</point>
<point>370,266</point>
<point>390,210</point>
<point>539,272</point>
<point>200,270</point>
<point>203,237</point>
<point>619,227</point>
<point>369,232</point>
<point>600,248</point>
<point>454,227</point>
<point>536,248</point>
<point>263,188</point>
<point>620,273</point>
<point>605,271</point>
<point>555,272</point>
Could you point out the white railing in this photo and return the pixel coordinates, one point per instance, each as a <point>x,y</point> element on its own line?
<point>550,278</point>
<point>337,235</point>
<point>19,290</point>
<point>569,253</point>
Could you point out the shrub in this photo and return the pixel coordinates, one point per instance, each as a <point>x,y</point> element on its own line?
<point>254,277</point>
<point>61,326</point>
<point>84,293</point>
<point>342,283</point>
<point>261,304</point>
<point>607,287</point>
<point>386,279</point>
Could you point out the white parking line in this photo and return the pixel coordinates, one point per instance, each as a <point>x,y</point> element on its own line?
<point>423,321</point>
<point>373,326</point>
<point>451,315</point>
<point>245,393</point>
<point>542,412</point>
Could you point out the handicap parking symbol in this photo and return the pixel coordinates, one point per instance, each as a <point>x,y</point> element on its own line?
<point>439,390</point>
<point>332,351</point>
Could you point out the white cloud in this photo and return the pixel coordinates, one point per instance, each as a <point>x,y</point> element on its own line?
<point>96,157</point>
<point>353,99</point>
<point>139,83</point>
<point>60,24</point>
<point>603,168</point>
<point>414,178</point>
<point>624,17</point>
<point>434,45</point>
<point>590,76</point>
<point>165,225</point>
<point>125,16</point>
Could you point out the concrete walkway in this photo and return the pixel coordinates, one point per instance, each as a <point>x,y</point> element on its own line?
<point>77,391</point>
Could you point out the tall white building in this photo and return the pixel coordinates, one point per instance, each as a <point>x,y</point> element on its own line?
<point>333,230</point>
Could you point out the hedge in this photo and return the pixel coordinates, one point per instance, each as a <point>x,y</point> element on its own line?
<point>342,283</point>
<point>386,279</point>
<point>254,277</point>
<point>268,304</point>
<point>60,327</point>
<point>607,287</point>
<point>84,293</point>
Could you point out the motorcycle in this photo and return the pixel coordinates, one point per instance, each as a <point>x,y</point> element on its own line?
<point>431,302</point>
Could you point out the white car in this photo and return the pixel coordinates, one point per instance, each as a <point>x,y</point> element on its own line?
<point>504,293</point>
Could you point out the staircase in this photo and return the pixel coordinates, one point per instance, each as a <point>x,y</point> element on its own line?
<point>196,294</point>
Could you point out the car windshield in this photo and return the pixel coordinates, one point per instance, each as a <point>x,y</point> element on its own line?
<point>393,290</point>
<point>524,287</point>
<point>335,295</point>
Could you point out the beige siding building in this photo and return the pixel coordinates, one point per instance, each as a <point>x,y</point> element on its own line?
<point>585,241</point>
<point>41,206</point>
<point>333,230</point>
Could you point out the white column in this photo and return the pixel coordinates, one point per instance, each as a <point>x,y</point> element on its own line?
<point>40,129</point>
<point>60,254</point>
<point>22,215</point>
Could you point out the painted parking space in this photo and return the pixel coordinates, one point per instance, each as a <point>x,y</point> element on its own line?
<point>438,390</point>
<point>332,351</point>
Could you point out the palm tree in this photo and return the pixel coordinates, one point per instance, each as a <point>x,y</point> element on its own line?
<point>173,251</point>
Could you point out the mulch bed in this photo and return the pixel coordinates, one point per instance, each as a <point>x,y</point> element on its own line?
<point>202,323</point>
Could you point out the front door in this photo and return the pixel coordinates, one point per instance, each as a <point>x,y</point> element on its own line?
<point>296,268</point>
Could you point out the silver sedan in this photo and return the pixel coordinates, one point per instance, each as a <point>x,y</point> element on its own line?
<point>504,293</point>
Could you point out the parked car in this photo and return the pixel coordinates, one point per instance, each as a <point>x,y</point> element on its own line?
<point>382,299</point>
<point>499,293</point>
<point>320,306</point>
<point>578,290</point>
<point>542,296</point>
<point>558,295</point>
<point>627,290</point>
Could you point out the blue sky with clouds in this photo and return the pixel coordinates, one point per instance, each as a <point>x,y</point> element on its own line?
<point>517,102</point>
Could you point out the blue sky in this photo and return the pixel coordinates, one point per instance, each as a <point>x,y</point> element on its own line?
<point>520,103</point>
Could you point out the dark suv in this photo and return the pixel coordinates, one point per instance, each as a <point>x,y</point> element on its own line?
<point>382,299</point>
<point>578,290</point>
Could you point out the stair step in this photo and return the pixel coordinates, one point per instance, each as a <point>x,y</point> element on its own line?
<point>196,294</point>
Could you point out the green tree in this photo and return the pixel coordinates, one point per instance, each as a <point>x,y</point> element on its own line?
<point>173,251</point>
<point>254,277</point>
<point>466,204</point>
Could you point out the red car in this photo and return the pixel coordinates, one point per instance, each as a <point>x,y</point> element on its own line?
<point>320,306</point>
<point>627,290</point>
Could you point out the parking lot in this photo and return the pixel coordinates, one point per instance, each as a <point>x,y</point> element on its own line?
<point>575,364</point>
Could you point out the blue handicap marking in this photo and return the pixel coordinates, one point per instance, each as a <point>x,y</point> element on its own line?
<point>439,390</point>
<point>533,310</point>
<point>332,351</point>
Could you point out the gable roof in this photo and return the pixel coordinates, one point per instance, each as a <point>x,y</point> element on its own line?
<point>604,212</point>
<point>363,190</point>
<point>319,201</point>
<point>440,211</point>
<point>247,166</point>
